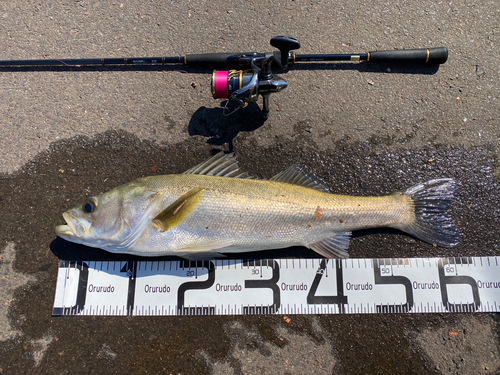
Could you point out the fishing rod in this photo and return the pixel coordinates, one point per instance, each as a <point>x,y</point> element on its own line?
<point>245,76</point>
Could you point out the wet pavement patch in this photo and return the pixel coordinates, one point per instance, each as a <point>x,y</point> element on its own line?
<point>33,199</point>
<point>10,280</point>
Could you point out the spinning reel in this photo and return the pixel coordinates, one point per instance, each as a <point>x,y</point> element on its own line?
<point>244,86</point>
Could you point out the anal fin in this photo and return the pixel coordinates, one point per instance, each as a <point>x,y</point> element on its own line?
<point>334,247</point>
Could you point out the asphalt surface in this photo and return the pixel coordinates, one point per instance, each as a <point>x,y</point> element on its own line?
<point>71,132</point>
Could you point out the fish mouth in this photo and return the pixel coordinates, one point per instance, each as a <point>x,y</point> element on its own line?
<point>73,227</point>
<point>64,230</point>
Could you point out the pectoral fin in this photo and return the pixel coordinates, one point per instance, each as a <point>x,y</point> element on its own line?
<point>176,213</point>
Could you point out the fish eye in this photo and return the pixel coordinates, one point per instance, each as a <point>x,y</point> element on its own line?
<point>89,205</point>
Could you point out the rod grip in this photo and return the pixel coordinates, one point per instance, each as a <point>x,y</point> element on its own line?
<point>437,55</point>
<point>218,60</point>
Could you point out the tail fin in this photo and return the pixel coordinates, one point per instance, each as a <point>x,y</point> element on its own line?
<point>431,224</point>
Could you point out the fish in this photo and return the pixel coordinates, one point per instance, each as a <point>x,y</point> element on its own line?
<point>215,208</point>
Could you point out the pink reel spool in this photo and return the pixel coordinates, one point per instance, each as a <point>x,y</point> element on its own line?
<point>219,84</point>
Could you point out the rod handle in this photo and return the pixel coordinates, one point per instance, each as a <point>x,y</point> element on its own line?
<point>437,55</point>
<point>217,60</point>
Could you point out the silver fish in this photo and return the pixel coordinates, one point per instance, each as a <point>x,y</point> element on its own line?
<point>214,208</point>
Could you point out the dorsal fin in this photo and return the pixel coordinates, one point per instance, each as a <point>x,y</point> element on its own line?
<point>221,165</point>
<point>298,176</point>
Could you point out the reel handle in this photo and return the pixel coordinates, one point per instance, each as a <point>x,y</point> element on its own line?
<point>285,43</point>
<point>410,56</point>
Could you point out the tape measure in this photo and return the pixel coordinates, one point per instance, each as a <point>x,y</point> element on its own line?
<point>278,286</point>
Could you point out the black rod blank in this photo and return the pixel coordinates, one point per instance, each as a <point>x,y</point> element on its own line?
<point>413,56</point>
<point>89,62</point>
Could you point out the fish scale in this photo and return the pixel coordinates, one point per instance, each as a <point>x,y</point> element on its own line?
<point>249,210</point>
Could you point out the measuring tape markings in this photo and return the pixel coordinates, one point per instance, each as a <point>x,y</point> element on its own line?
<point>292,286</point>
